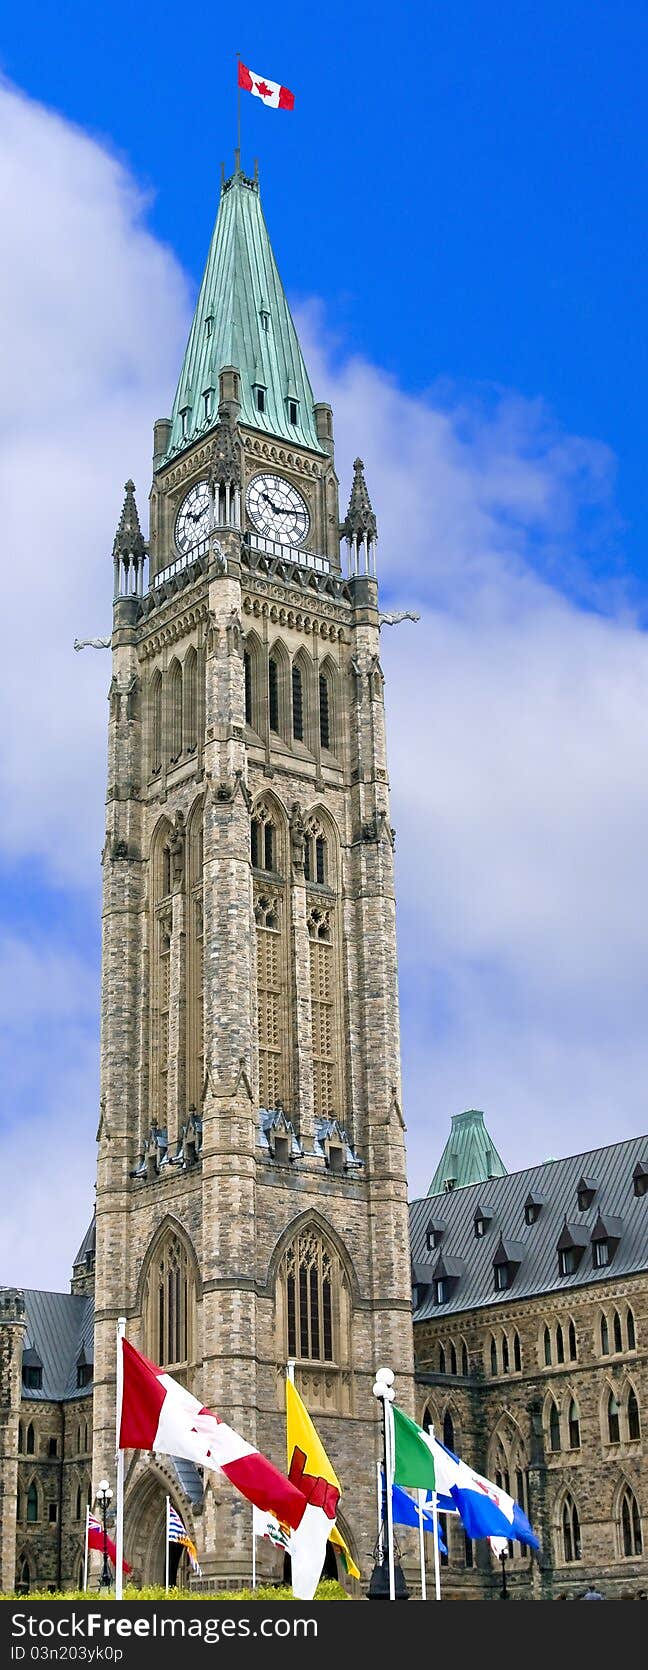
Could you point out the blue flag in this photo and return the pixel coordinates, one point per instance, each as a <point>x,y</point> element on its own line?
<point>405,1512</point>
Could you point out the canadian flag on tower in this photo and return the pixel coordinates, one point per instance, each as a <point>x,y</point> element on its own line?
<point>280,98</point>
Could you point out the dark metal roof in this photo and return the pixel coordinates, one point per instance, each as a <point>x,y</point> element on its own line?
<point>555,1181</point>
<point>89,1242</point>
<point>58,1326</point>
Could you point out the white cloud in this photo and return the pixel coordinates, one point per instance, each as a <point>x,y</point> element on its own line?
<point>517,708</point>
<point>93,313</point>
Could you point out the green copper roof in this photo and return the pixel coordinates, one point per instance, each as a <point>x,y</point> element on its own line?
<point>469,1156</point>
<point>242,319</point>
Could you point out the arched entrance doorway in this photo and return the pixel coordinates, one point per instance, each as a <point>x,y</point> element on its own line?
<point>145,1531</point>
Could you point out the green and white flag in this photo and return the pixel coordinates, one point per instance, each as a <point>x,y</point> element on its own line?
<point>413,1457</point>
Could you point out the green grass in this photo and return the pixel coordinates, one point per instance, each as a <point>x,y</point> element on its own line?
<point>324,1591</point>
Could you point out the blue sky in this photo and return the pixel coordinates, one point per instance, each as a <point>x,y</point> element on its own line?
<point>458,213</point>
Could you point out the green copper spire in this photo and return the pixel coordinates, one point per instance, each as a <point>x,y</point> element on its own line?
<point>469,1156</point>
<point>242,319</point>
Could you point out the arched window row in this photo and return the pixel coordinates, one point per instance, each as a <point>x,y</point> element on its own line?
<point>503,1352</point>
<point>621,1420</point>
<point>562,1424</point>
<point>176,1018</point>
<point>629,1533</point>
<point>453,1358</point>
<point>508,1467</point>
<point>312,841</point>
<point>616,1332</point>
<point>174,717</point>
<point>295,700</point>
<point>558,1343</point>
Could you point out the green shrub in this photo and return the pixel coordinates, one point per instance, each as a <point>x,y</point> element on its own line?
<point>325,1591</point>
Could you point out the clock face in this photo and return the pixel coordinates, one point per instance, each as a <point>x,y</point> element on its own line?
<point>193,518</point>
<point>277,510</point>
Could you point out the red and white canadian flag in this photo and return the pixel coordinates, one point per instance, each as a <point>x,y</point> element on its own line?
<point>272,93</point>
<point>157,1413</point>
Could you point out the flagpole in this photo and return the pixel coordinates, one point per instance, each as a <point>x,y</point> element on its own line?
<point>437,1567</point>
<point>253,1553</point>
<point>238,114</point>
<point>420,1495</point>
<point>379,1496</point>
<point>119,1531</point>
<point>166,1548</point>
<point>389,1464</point>
<point>85,1551</point>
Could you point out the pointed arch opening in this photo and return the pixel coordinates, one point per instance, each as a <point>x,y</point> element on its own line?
<point>628,1524</point>
<point>569,1550</point>
<point>573,1425</point>
<point>190,702</point>
<point>314,1315</point>
<point>604,1335</point>
<point>632,1415</point>
<point>328,706</point>
<point>195,945</point>
<point>174,711</point>
<point>616,1332</point>
<point>155,724</point>
<point>169,1301</point>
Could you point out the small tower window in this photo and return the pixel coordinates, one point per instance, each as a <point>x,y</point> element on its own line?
<point>52,1512</point>
<point>52,1446</point>
<point>298,704</point>
<point>209,324</point>
<point>292,410</point>
<point>184,421</point>
<point>273,693</point>
<point>260,398</point>
<point>264,316</point>
<point>207,403</point>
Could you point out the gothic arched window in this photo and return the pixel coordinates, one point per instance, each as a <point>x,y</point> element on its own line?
<point>618,1340</point>
<point>448,1431</point>
<point>571,1536</point>
<point>273,693</point>
<point>605,1337</point>
<point>631,1540</point>
<point>554,1426</point>
<point>160,954</point>
<point>442,1359</point>
<point>464,1357</point>
<point>325,710</point>
<point>78,1503</point>
<point>30,1445</point>
<point>195,1023</point>
<point>613,1419</point>
<point>32,1504</point>
<point>21,1438</point>
<point>547,1347</point>
<point>297,703</point>
<point>247,668</point>
<point>517,1353</point>
<point>312,1290</point>
<point>630,1327</point>
<point>505,1354</point>
<point>170,1304</point>
<point>560,1345</point>
<point>572,1343</point>
<point>175,711</point>
<point>493,1355</point>
<point>453,1359</point>
<point>634,1424</point>
<point>155,722</point>
<point>190,702</point>
<point>574,1425</point>
<point>270,915</point>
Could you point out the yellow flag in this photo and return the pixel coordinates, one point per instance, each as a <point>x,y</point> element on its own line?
<point>308,1463</point>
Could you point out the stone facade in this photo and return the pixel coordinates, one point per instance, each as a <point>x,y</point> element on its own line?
<point>226,969</point>
<point>501,1422</point>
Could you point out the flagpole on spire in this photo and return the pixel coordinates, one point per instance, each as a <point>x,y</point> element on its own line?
<point>237,153</point>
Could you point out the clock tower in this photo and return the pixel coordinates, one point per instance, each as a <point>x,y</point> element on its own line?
<point>251,1190</point>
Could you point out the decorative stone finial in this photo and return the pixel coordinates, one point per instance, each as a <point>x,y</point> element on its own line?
<point>360,522</point>
<point>129,540</point>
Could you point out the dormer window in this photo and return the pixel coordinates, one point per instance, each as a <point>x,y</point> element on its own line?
<point>32,1371</point>
<point>507,1261</point>
<point>568,1260</point>
<point>293,410</point>
<point>209,324</point>
<point>571,1245</point>
<point>207,404</point>
<point>264,317</point>
<point>184,421</point>
<point>448,1185</point>
<point>606,1235</point>
<point>441,1290</point>
<point>433,1235</point>
<point>585,1192</point>
<point>260,396</point>
<point>281,1148</point>
<point>481,1221</point>
<point>640,1179</point>
<point>532,1208</point>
